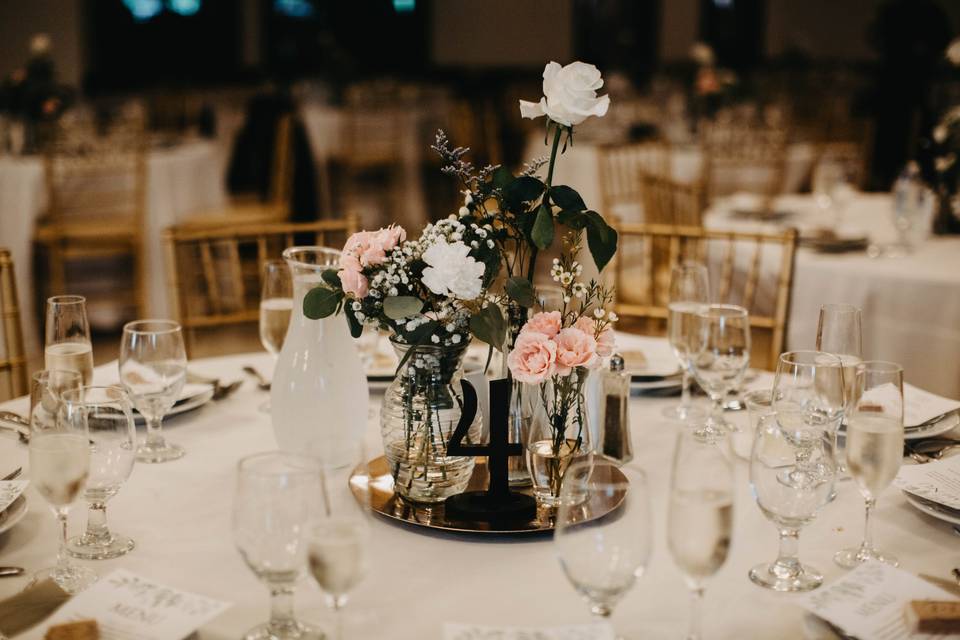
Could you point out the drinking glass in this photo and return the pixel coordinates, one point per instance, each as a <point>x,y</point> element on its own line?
<point>700,517</point>
<point>689,293</point>
<point>339,539</point>
<point>113,444</point>
<point>758,403</point>
<point>789,505</point>
<point>839,333</point>
<point>276,497</point>
<point>720,356</point>
<point>874,446</point>
<point>68,345</point>
<point>153,368</point>
<point>603,557</point>
<point>276,306</point>
<point>59,464</point>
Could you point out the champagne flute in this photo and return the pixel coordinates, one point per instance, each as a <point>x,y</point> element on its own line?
<point>113,444</point>
<point>59,464</point>
<point>276,306</point>
<point>721,354</point>
<point>700,518</point>
<point>68,345</point>
<point>275,500</point>
<point>874,446</point>
<point>789,505</point>
<point>689,293</point>
<point>153,368</point>
<point>839,333</point>
<point>603,557</point>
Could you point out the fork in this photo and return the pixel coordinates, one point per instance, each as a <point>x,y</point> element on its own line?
<point>12,475</point>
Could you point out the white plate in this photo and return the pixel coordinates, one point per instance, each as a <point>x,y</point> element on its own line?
<point>192,397</point>
<point>946,514</point>
<point>638,362</point>
<point>13,514</point>
<point>940,427</point>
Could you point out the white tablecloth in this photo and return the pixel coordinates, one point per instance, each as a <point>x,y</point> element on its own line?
<point>180,513</point>
<point>180,181</point>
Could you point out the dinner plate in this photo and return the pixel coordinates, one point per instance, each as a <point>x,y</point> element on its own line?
<point>934,428</point>
<point>933,509</point>
<point>643,367</point>
<point>192,397</point>
<point>13,514</point>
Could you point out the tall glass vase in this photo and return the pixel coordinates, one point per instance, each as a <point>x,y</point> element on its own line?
<point>559,436</point>
<point>319,395</point>
<point>421,409</point>
<point>522,397</point>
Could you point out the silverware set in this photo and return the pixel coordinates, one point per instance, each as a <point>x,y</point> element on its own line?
<point>220,391</point>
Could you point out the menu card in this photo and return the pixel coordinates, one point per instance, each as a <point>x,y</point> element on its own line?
<point>921,406</point>
<point>936,481</point>
<point>129,607</point>
<point>869,602</point>
<point>10,490</point>
<point>454,631</point>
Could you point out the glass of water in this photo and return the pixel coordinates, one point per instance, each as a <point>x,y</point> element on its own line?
<point>153,369</point>
<point>689,293</point>
<point>68,346</point>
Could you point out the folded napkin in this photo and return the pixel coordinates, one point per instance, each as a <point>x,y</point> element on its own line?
<point>922,406</point>
<point>22,611</point>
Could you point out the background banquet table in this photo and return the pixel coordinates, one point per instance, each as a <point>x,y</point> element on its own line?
<point>181,180</point>
<point>180,515</point>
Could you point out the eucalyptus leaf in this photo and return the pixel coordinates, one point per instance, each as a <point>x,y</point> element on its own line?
<point>521,291</point>
<point>523,189</point>
<point>601,239</point>
<point>489,326</point>
<point>566,198</point>
<point>356,328</point>
<point>330,277</point>
<point>398,307</point>
<point>321,302</point>
<point>573,219</point>
<point>542,232</point>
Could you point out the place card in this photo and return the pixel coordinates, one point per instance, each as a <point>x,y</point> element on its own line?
<point>129,607</point>
<point>10,490</point>
<point>921,406</point>
<point>869,602</point>
<point>936,481</point>
<point>454,631</point>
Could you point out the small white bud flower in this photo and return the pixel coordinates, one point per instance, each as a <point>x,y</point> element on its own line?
<point>435,339</point>
<point>598,313</point>
<point>464,211</point>
<point>455,338</point>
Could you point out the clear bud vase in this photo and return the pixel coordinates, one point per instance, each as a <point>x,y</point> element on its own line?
<point>559,436</point>
<point>421,409</point>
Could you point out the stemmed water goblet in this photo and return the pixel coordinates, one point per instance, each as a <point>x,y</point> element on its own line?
<point>720,356</point>
<point>68,346</point>
<point>276,498</point>
<point>153,369</point>
<point>689,293</point>
<point>874,446</point>
<point>700,517</point>
<point>789,504</point>
<point>603,557</point>
<point>113,444</point>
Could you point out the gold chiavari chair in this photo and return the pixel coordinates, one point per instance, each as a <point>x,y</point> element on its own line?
<point>754,270</point>
<point>619,171</point>
<point>744,156</point>
<point>13,361</point>
<point>850,155</point>
<point>666,201</point>
<point>215,273</point>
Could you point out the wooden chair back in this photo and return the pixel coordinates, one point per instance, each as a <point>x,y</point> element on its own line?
<point>215,274</point>
<point>13,361</point>
<point>754,270</point>
<point>850,155</point>
<point>744,156</point>
<point>620,168</point>
<point>666,201</point>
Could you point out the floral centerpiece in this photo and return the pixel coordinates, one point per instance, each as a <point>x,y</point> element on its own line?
<point>472,276</point>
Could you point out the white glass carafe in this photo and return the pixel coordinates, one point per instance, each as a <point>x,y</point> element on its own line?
<point>319,393</point>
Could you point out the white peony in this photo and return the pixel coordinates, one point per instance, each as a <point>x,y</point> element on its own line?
<point>570,94</point>
<point>953,52</point>
<point>451,271</point>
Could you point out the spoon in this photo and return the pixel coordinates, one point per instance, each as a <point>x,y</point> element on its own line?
<point>261,381</point>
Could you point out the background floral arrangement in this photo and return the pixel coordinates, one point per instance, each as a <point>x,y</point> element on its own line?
<point>32,92</point>
<point>938,153</point>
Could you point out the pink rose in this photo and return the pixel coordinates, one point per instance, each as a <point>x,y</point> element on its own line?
<point>370,247</point>
<point>575,349</point>
<point>391,236</point>
<point>547,323</point>
<point>606,342</point>
<point>353,282</point>
<point>532,358</point>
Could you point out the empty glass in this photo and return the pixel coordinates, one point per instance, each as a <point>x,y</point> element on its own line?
<point>700,517</point>
<point>759,403</point>
<point>153,368</point>
<point>788,504</point>
<point>689,293</point>
<point>113,443</point>
<point>874,446</point>
<point>276,497</point>
<point>720,356</point>
<point>68,346</point>
<point>603,557</point>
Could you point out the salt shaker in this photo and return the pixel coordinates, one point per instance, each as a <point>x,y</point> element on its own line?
<point>615,443</point>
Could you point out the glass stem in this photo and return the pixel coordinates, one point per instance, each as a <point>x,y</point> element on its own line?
<point>97,530</point>
<point>867,544</point>
<point>63,559</point>
<point>788,563</point>
<point>281,607</point>
<point>154,436</point>
<point>696,604</point>
<point>685,389</point>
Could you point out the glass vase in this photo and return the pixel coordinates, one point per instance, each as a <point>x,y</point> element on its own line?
<point>421,409</point>
<point>559,437</point>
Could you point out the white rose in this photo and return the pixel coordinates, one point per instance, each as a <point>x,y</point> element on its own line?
<point>451,271</point>
<point>39,44</point>
<point>570,94</point>
<point>953,52</point>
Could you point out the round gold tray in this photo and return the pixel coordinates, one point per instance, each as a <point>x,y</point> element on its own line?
<point>388,504</point>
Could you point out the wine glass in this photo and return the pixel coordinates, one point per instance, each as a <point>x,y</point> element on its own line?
<point>276,497</point>
<point>153,368</point>
<point>603,557</point>
<point>276,306</point>
<point>839,333</point>
<point>689,293</point>
<point>68,346</point>
<point>339,539</point>
<point>720,356</point>
<point>59,464</point>
<point>113,445</point>
<point>874,446</point>
<point>789,505</point>
<point>700,517</point>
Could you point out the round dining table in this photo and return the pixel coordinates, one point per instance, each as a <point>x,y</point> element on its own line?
<point>179,514</point>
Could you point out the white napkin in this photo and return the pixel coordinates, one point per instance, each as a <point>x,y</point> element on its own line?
<point>935,481</point>
<point>455,631</point>
<point>919,406</point>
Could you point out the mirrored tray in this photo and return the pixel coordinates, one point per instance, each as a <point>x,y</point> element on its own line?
<point>388,504</point>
